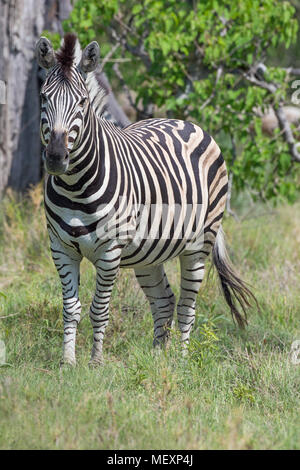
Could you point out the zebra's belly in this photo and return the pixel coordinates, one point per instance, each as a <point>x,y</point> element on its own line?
<point>141,247</point>
<point>136,252</point>
<point>156,251</point>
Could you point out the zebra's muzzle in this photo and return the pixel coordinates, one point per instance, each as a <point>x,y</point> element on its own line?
<point>56,154</point>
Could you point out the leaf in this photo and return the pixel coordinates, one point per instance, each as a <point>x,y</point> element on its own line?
<point>137,8</point>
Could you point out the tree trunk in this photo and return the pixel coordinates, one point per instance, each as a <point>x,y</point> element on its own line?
<point>21,24</point>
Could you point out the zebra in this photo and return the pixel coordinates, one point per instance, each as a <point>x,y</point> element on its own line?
<point>128,198</point>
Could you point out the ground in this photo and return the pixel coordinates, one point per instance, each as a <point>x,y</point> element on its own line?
<point>234,390</point>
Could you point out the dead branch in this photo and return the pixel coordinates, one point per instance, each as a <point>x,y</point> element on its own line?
<point>292,71</point>
<point>210,98</point>
<point>287,133</point>
<point>284,125</point>
<point>8,316</point>
<point>147,111</point>
<point>108,57</point>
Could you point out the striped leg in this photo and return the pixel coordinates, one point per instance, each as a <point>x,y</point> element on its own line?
<point>154,282</point>
<point>68,270</point>
<point>107,267</point>
<point>192,272</point>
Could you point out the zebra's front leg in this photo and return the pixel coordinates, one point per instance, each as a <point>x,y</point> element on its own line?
<point>192,273</point>
<point>107,267</point>
<point>68,270</point>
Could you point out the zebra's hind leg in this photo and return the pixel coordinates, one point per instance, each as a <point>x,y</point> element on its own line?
<point>192,273</point>
<point>154,282</point>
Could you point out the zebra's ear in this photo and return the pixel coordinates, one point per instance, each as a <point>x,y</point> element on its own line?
<point>45,53</point>
<point>90,57</point>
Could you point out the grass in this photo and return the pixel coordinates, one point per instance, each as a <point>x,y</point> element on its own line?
<point>235,390</point>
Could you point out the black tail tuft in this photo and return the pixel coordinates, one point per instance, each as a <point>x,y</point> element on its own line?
<point>234,288</point>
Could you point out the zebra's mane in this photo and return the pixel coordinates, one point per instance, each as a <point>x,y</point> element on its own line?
<point>98,93</point>
<point>69,54</point>
<point>66,54</point>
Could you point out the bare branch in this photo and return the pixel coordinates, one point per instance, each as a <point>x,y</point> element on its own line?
<point>108,56</point>
<point>10,315</point>
<point>210,98</point>
<point>292,71</point>
<point>124,86</point>
<point>287,132</point>
<point>147,111</point>
<point>138,50</point>
<point>269,86</point>
<point>284,125</point>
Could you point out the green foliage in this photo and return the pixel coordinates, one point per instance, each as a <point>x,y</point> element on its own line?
<point>205,346</point>
<point>243,393</point>
<point>189,59</point>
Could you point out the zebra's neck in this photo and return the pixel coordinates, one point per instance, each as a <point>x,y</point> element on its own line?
<point>91,164</point>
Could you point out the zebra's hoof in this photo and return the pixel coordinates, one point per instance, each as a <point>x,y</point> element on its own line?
<point>160,344</point>
<point>156,352</point>
<point>94,363</point>
<point>184,353</point>
<point>64,363</point>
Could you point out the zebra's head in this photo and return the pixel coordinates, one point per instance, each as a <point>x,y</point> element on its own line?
<point>64,98</point>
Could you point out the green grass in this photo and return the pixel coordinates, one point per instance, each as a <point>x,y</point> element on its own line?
<point>235,390</point>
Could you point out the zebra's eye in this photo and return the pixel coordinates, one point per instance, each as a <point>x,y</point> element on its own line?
<point>82,102</point>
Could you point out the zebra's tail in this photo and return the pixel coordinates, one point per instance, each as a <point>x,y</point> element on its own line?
<point>234,289</point>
